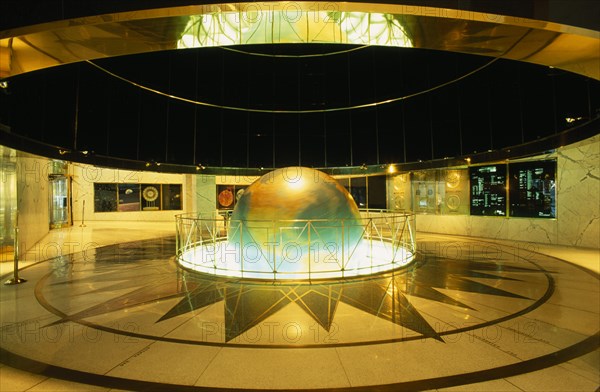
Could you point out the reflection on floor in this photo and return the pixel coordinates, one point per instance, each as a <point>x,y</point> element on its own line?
<point>468,315</point>
<point>78,239</point>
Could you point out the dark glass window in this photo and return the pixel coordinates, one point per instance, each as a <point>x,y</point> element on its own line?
<point>377,192</point>
<point>171,197</point>
<point>358,190</point>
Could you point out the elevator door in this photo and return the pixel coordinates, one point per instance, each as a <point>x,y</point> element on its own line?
<point>60,211</point>
<point>8,202</point>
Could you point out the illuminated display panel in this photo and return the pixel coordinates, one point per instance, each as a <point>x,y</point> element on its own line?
<point>440,191</point>
<point>533,189</point>
<point>424,191</point>
<point>488,190</point>
<point>453,189</point>
<point>293,25</point>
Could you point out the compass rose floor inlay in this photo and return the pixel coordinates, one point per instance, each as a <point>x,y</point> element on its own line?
<point>465,312</point>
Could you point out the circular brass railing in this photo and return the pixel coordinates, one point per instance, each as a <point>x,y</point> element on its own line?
<point>295,249</point>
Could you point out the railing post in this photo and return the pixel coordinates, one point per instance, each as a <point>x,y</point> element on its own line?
<point>309,248</point>
<point>177,222</point>
<point>194,232</point>
<point>371,242</point>
<point>344,263</point>
<point>82,215</point>
<point>241,223</point>
<point>274,242</point>
<point>15,279</point>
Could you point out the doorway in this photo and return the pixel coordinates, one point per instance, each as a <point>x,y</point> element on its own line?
<point>60,196</point>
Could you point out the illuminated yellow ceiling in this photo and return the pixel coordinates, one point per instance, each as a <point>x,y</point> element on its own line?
<point>45,45</point>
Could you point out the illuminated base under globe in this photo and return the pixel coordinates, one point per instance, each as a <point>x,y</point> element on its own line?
<point>296,223</point>
<point>223,259</point>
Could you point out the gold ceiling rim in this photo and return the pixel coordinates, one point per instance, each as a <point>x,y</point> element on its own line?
<point>268,5</point>
<point>40,46</point>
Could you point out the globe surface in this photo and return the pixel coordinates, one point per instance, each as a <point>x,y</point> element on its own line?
<point>295,219</point>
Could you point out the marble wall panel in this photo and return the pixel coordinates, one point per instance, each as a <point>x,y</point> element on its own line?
<point>578,200</point>
<point>578,207</point>
<point>532,230</point>
<point>32,199</point>
<point>206,194</point>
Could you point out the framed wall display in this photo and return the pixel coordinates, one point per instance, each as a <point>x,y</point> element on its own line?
<point>488,190</point>
<point>228,195</point>
<point>105,197</point>
<point>454,191</point>
<point>533,189</point>
<point>110,197</point>
<point>171,197</point>
<point>150,197</point>
<point>425,198</point>
<point>440,191</point>
<point>400,193</point>
<point>129,197</point>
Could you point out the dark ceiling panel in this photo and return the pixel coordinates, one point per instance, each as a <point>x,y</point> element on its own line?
<point>504,104</point>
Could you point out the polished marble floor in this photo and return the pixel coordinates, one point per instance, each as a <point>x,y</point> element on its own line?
<point>469,314</point>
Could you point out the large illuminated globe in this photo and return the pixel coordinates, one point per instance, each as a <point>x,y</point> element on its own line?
<point>295,223</point>
<point>296,219</point>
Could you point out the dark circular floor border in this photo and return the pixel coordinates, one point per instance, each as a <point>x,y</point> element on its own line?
<point>586,346</point>
<point>539,302</point>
